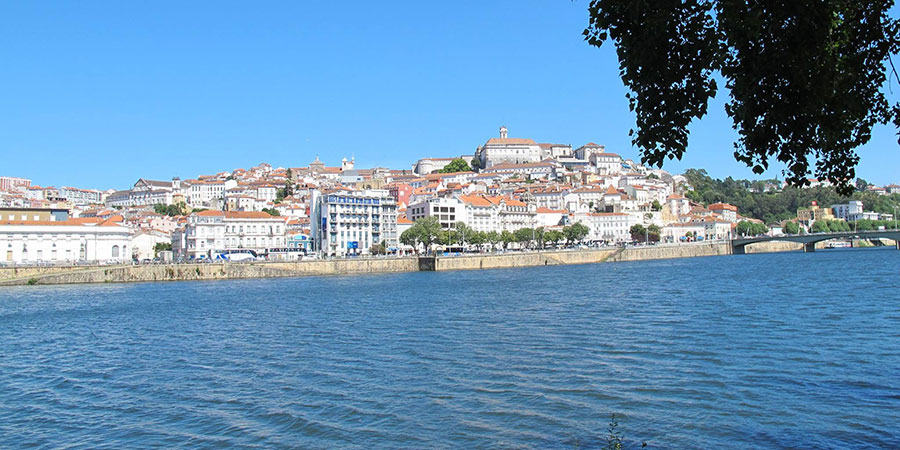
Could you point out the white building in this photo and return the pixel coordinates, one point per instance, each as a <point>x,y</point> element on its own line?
<point>448,211</point>
<point>550,197</point>
<point>508,150</point>
<point>81,197</point>
<point>70,241</point>
<point>680,232</point>
<point>725,211</point>
<point>146,192</point>
<point>210,232</point>
<point>608,227</point>
<point>534,170</point>
<point>14,184</point>
<point>207,192</point>
<point>478,211</point>
<point>850,211</point>
<point>144,242</point>
<point>350,222</point>
<point>426,166</point>
<point>546,217</point>
<point>678,204</point>
<point>555,151</point>
<point>586,198</point>
<point>606,163</point>
<point>498,213</point>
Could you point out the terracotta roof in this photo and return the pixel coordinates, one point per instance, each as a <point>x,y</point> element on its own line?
<point>510,141</point>
<point>543,210</point>
<point>511,166</point>
<point>715,206</point>
<point>476,200</point>
<point>114,221</point>
<point>514,202</point>
<point>248,215</point>
<point>209,213</point>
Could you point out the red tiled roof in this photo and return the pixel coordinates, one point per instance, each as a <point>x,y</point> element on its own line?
<point>511,141</point>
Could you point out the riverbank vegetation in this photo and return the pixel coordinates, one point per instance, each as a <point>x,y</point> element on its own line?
<point>428,231</point>
<point>767,201</point>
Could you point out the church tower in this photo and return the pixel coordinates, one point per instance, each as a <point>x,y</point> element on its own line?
<point>503,132</point>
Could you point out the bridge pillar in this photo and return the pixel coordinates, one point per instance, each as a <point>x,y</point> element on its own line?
<point>809,247</point>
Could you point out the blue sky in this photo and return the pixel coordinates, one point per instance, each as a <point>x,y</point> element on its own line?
<point>98,94</point>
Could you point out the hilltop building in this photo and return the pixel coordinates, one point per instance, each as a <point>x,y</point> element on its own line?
<point>508,150</point>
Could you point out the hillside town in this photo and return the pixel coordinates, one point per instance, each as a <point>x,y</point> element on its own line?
<point>509,194</point>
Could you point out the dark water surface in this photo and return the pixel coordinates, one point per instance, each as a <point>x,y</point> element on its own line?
<point>783,350</point>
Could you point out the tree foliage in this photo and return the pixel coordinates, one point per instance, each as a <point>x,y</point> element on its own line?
<point>554,236</point>
<point>507,238</point>
<point>776,206</point>
<point>804,76</point>
<point>640,233</point>
<point>161,247</point>
<point>177,209</point>
<point>791,228</point>
<point>747,228</point>
<point>425,231</point>
<point>524,236</point>
<point>819,226</point>
<point>575,232</point>
<point>457,165</point>
<point>378,249</point>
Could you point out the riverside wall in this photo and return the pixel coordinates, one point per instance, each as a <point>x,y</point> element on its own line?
<point>777,246</point>
<point>224,271</point>
<point>673,251</point>
<point>528,259</point>
<point>210,271</point>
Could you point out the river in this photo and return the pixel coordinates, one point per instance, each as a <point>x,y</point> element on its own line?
<point>786,350</point>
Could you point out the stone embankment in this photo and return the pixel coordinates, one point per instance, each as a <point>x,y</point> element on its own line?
<point>220,271</point>
<point>211,271</point>
<point>526,259</point>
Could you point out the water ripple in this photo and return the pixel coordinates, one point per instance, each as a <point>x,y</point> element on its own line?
<point>694,353</point>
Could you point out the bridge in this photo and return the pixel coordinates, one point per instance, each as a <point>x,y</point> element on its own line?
<point>738,246</point>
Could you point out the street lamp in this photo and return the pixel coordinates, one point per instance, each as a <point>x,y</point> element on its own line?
<point>647,221</point>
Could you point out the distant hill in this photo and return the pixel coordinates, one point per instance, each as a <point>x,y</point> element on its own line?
<point>775,206</point>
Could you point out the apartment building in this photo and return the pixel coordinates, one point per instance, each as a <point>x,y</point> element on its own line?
<point>350,222</point>
<point>209,232</point>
